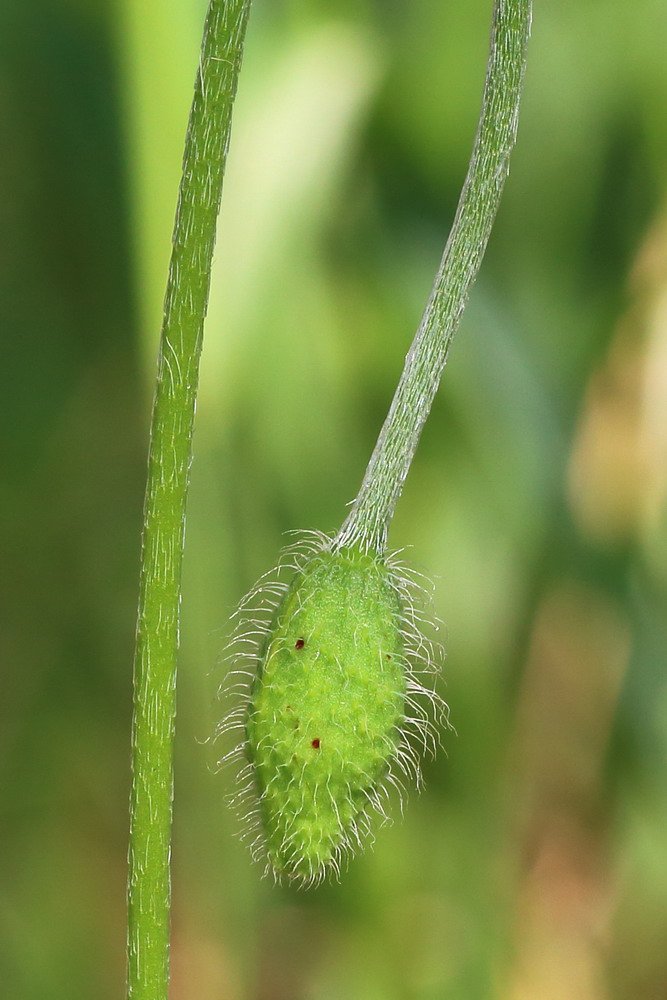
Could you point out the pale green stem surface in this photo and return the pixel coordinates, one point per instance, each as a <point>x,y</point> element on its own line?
<point>149,889</point>
<point>367,524</point>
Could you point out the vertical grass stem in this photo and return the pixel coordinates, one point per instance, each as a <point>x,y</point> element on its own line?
<point>164,511</point>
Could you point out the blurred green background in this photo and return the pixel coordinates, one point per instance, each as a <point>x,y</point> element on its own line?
<point>534,866</point>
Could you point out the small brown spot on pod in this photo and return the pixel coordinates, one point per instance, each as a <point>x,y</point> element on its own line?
<point>300,643</point>
<point>315,744</point>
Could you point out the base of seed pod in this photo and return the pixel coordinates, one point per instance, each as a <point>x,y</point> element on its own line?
<point>328,674</point>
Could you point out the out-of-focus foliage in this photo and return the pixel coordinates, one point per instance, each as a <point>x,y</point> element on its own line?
<point>534,865</point>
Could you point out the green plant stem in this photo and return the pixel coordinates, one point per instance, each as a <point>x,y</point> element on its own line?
<point>367,524</point>
<point>164,511</point>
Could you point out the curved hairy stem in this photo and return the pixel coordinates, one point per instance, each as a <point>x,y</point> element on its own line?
<point>367,524</point>
<point>164,511</point>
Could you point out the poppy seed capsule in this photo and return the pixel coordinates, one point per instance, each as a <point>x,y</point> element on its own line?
<point>332,706</point>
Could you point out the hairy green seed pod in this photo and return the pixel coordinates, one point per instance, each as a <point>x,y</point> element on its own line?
<point>325,708</point>
<point>330,706</point>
